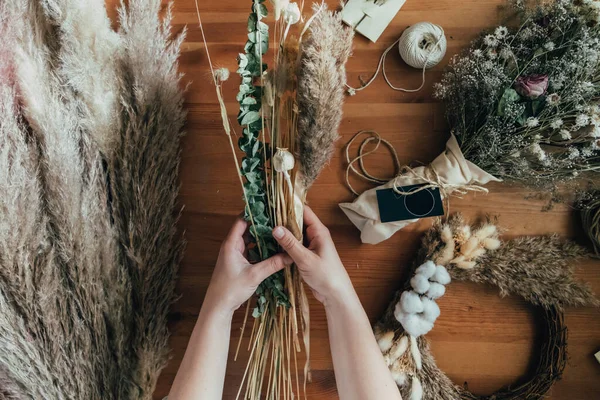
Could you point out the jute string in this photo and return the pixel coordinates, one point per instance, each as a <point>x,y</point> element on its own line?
<point>429,176</point>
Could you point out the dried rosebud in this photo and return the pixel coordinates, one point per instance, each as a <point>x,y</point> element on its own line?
<point>532,86</point>
<point>283,161</point>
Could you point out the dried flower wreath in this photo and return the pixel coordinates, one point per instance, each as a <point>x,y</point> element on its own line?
<point>535,268</point>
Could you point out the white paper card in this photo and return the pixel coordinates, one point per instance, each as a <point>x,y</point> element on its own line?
<point>370,19</point>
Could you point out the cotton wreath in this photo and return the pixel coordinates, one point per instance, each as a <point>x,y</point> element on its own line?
<point>535,268</point>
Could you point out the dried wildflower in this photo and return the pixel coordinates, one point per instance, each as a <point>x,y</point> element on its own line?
<point>490,41</point>
<point>501,32</point>
<point>553,99</point>
<point>582,120</point>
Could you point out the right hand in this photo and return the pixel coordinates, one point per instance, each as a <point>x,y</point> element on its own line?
<point>319,263</point>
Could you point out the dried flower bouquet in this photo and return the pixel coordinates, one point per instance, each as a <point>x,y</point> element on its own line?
<point>524,103</point>
<point>523,106</point>
<point>289,112</point>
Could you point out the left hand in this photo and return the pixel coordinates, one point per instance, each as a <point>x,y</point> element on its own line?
<point>234,279</point>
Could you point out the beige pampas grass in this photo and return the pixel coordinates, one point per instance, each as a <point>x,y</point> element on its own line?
<point>321,80</point>
<point>88,243</point>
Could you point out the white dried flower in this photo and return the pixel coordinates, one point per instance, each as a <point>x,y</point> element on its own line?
<point>501,32</point>
<point>532,122</point>
<point>595,132</point>
<point>291,13</point>
<point>565,134</point>
<point>582,120</point>
<point>573,153</point>
<point>492,54</point>
<point>477,53</point>
<point>537,151</point>
<point>222,74</point>
<point>549,46</point>
<point>506,53</point>
<point>556,124</point>
<point>595,120</point>
<point>553,99</point>
<point>490,41</point>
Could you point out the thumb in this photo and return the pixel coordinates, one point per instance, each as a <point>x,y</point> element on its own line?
<point>290,244</point>
<point>268,267</point>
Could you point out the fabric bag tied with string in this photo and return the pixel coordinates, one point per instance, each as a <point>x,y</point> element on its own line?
<point>450,172</point>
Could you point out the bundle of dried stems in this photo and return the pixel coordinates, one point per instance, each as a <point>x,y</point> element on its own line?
<point>90,121</point>
<point>291,111</point>
<point>539,269</point>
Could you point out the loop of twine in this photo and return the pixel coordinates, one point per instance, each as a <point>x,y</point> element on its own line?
<point>422,45</point>
<point>429,175</point>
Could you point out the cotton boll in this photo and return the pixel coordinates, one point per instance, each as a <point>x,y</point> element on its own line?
<point>492,243</point>
<point>435,291</point>
<point>414,324</point>
<point>431,310</point>
<point>420,284</point>
<point>399,313</point>
<point>427,269</point>
<point>416,389</point>
<point>411,302</point>
<point>386,341</point>
<point>441,275</point>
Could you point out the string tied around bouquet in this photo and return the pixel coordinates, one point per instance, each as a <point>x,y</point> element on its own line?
<point>428,175</point>
<point>422,45</point>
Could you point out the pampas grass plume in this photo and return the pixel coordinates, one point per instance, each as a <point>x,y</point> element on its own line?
<point>321,82</point>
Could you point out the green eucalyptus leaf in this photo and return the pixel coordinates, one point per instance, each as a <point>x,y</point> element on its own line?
<point>250,118</point>
<point>250,164</point>
<point>252,21</point>
<point>257,208</point>
<point>261,10</point>
<point>248,101</point>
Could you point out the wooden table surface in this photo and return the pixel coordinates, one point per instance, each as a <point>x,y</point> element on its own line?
<point>479,339</point>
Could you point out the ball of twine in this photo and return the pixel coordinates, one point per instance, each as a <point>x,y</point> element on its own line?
<point>423,45</point>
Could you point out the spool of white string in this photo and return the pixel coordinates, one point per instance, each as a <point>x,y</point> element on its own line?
<point>422,45</point>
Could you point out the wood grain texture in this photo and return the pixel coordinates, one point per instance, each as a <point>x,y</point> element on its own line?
<point>480,339</point>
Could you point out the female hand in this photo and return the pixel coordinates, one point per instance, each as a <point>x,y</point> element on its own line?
<point>319,264</point>
<point>234,279</point>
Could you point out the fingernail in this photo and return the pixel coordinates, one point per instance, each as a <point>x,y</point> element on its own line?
<point>278,232</point>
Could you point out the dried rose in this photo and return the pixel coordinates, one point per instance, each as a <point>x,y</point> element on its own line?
<point>532,86</point>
